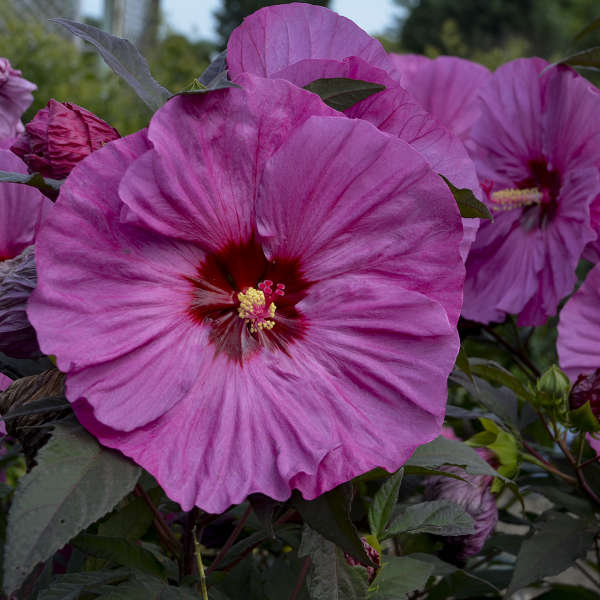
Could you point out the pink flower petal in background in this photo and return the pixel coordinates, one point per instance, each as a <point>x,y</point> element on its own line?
<point>578,342</point>
<point>447,87</point>
<point>15,99</point>
<point>530,142</point>
<point>275,37</point>
<point>222,401</point>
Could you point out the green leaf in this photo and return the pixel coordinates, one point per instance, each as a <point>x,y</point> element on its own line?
<point>383,503</point>
<point>442,451</point>
<point>15,368</point>
<point>213,78</point>
<point>552,549</point>
<point>440,517</point>
<point>133,520</point>
<point>75,482</point>
<point>331,577</point>
<point>329,514</point>
<point>123,552</point>
<point>72,585</point>
<point>48,187</point>
<point>595,24</point>
<point>492,371</point>
<point>144,587</point>
<point>568,592</point>
<point>425,472</point>
<point>583,419</point>
<point>468,205</point>
<point>124,59</point>
<point>462,362</point>
<point>589,59</point>
<point>400,575</point>
<point>341,93</point>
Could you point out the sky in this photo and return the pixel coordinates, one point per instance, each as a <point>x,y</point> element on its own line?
<point>195,17</point>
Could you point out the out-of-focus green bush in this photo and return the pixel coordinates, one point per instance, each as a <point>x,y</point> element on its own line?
<point>73,72</point>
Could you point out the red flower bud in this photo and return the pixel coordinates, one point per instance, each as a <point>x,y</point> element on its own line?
<point>372,554</point>
<point>587,388</point>
<point>59,136</point>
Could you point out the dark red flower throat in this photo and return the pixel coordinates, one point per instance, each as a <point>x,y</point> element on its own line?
<point>238,273</point>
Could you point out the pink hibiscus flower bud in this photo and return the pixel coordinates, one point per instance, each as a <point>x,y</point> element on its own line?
<point>372,554</point>
<point>475,497</point>
<point>586,389</point>
<point>15,99</point>
<point>61,135</point>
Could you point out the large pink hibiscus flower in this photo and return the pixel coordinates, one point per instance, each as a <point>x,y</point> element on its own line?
<point>537,147</point>
<point>21,211</point>
<point>303,42</point>
<point>251,298</point>
<point>447,87</point>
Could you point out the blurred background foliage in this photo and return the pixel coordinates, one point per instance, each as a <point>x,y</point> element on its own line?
<point>490,32</point>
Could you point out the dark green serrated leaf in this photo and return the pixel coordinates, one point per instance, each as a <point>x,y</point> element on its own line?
<point>442,451</point>
<point>462,362</point>
<point>595,24</point>
<point>568,592</point>
<point>424,471</point>
<point>48,187</point>
<point>383,503</point>
<point>329,514</point>
<point>342,93</point>
<point>492,371</point>
<point>552,549</point>
<point>400,575</point>
<point>145,587</point>
<point>72,585</point>
<point>124,59</point>
<point>331,577</point>
<point>133,520</point>
<point>16,368</point>
<point>75,482</point>
<point>468,205</point>
<point>123,552</point>
<point>38,407</point>
<point>439,517</point>
<point>589,59</point>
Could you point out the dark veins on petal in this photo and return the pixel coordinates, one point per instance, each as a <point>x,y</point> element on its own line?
<point>234,269</point>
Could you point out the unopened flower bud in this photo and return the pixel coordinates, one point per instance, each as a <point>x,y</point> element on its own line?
<point>372,554</point>
<point>553,387</point>
<point>475,497</point>
<point>584,402</point>
<point>17,281</point>
<point>59,136</point>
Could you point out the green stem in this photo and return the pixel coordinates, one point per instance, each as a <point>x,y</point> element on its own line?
<point>198,553</point>
<point>520,358</point>
<point>548,467</point>
<point>582,481</point>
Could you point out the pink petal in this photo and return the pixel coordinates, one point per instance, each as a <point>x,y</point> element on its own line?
<point>110,290</point>
<point>578,342</point>
<point>15,98</point>
<point>447,87</point>
<point>198,183</point>
<point>21,209</point>
<point>277,36</point>
<point>351,219</point>
<point>245,430</point>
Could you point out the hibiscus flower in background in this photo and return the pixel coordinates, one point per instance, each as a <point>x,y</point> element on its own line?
<point>447,87</point>
<point>22,209</point>
<point>250,298</point>
<point>303,43</point>
<point>537,150</point>
<point>15,98</point>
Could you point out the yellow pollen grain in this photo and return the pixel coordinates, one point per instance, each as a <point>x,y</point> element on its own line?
<point>252,309</point>
<point>515,198</point>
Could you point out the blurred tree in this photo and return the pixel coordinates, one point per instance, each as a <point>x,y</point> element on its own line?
<point>232,12</point>
<point>63,71</point>
<point>493,31</point>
